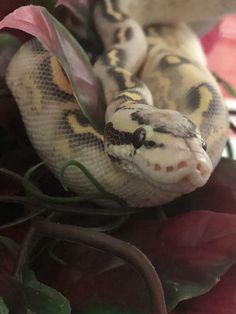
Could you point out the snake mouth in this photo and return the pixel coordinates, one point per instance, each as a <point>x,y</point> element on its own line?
<point>200,174</point>
<point>185,175</point>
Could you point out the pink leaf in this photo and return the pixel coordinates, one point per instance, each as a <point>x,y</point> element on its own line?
<point>38,22</point>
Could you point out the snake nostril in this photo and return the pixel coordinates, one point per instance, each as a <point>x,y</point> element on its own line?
<point>199,167</point>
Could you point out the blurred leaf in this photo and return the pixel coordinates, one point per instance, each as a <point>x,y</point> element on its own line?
<point>220,300</point>
<point>9,244</point>
<point>29,294</point>
<point>80,8</point>
<point>33,296</point>
<point>13,296</point>
<point>80,23</point>
<point>41,24</point>
<point>8,46</point>
<point>3,307</point>
<point>42,299</point>
<point>7,40</point>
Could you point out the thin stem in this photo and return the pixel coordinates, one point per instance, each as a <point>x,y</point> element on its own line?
<point>92,179</point>
<point>11,174</point>
<point>120,221</point>
<point>23,219</point>
<point>16,199</point>
<point>93,211</point>
<point>107,243</point>
<point>23,257</point>
<point>85,171</point>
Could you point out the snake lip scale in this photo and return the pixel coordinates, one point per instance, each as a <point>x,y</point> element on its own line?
<point>166,120</point>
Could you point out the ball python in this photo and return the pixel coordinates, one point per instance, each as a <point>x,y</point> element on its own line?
<point>166,122</point>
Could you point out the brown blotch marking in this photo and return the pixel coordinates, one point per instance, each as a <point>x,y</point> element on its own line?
<point>169,168</point>
<point>157,167</point>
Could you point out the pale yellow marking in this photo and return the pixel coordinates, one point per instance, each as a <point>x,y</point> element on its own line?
<point>129,104</point>
<point>134,96</point>
<point>59,76</point>
<point>205,98</point>
<point>151,31</point>
<point>157,42</point>
<point>117,15</point>
<point>63,147</point>
<point>127,77</point>
<point>121,35</point>
<point>173,60</point>
<point>113,58</point>
<point>79,129</point>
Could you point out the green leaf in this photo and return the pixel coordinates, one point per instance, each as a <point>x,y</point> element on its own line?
<point>80,9</point>
<point>8,46</point>
<point>43,299</point>
<point>31,296</point>
<point>12,295</point>
<point>8,40</point>
<point>3,307</point>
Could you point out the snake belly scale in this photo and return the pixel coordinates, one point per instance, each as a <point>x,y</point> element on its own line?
<point>166,122</point>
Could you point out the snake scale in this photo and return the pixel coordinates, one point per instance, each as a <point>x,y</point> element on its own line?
<point>166,121</point>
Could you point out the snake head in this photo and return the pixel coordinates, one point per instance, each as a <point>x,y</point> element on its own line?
<point>162,147</point>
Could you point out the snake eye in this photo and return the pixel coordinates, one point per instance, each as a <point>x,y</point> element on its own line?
<point>139,136</point>
<point>204,145</point>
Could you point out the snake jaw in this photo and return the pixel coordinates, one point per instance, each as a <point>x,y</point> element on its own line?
<point>182,170</point>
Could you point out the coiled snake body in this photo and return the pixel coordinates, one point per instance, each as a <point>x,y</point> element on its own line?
<point>166,123</point>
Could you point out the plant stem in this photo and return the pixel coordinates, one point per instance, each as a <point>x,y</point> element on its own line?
<point>106,243</point>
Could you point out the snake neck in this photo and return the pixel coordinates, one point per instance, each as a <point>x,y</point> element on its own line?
<point>125,51</point>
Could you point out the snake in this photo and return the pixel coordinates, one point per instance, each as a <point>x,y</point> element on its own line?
<point>166,122</point>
